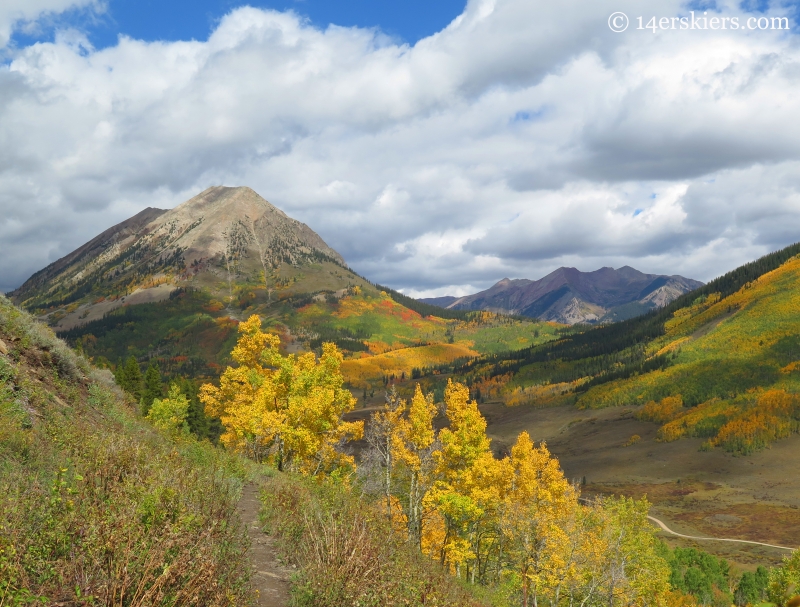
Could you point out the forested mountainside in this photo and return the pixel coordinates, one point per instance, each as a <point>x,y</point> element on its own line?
<point>720,362</point>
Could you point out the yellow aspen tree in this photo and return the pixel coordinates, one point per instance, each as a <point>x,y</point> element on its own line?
<point>288,405</point>
<point>247,401</point>
<point>633,571</point>
<point>784,581</point>
<point>169,414</point>
<point>463,443</point>
<point>381,434</point>
<point>315,402</point>
<point>414,446</point>
<point>487,485</point>
<point>535,519</point>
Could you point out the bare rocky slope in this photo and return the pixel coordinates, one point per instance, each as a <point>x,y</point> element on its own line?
<point>570,296</point>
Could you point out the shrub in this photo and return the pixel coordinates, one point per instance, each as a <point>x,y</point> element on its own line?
<point>347,552</point>
<point>95,506</point>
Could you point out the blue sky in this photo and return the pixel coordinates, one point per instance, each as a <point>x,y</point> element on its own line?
<point>524,137</point>
<point>150,20</point>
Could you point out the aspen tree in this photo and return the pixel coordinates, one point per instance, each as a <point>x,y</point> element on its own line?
<point>414,446</point>
<point>463,443</point>
<point>536,509</point>
<point>381,434</point>
<point>286,407</point>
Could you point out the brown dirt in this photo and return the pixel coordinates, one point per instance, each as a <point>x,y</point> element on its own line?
<point>699,493</point>
<point>270,580</point>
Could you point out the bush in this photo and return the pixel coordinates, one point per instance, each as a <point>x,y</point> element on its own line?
<point>347,552</point>
<point>95,506</point>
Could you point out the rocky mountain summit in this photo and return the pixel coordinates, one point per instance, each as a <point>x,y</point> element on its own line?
<point>221,237</point>
<point>570,296</point>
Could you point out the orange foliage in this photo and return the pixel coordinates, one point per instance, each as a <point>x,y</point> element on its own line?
<point>663,411</point>
<point>769,421</point>
<point>683,425</point>
<point>379,347</point>
<point>213,306</point>
<point>492,387</point>
<point>225,322</point>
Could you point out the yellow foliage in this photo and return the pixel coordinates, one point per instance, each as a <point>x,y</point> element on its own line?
<point>791,367</point>
<point>632,440</point>
<point>402,361</point>
<point>663,411</point>
<point>518,514</point>
<point>541,395</point>
<point>285,407</point>
<point>672,346</point>
<point>169,414</point>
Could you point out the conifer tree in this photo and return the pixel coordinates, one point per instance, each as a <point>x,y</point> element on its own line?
<point>129,377</point>
<point>152,387</point>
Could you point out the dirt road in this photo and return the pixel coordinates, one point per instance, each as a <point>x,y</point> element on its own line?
<point>713,539</point>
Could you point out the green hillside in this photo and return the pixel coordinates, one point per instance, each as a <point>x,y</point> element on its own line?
<point>191,332</point>
<point>96,508</point>
<point>734,374</point>
<point>728,352</point>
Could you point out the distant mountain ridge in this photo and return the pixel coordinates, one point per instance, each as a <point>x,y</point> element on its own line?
<point>570,296</point>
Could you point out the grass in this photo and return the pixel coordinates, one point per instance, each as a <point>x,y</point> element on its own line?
<point>98,508</point>
<point>346,552</point>
<point>402,362</point>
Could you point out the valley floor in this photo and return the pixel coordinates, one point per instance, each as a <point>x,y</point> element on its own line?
<point>697,493</point>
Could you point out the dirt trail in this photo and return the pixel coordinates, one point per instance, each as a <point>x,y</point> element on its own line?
<point>714,539</point>
<point>270,579</point>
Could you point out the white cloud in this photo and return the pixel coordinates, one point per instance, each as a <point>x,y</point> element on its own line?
<point>25,14</point>
<point>524,136</point>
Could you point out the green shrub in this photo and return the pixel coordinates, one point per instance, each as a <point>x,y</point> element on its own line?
<point>96,508</point>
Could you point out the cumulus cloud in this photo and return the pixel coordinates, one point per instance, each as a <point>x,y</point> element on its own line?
<point>25,15</point>
<point>524,136</point>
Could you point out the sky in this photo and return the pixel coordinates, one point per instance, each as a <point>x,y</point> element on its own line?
<point>437,149</point>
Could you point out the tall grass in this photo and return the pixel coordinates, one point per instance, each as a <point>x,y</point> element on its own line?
<point>96,508</point>
<point>346,552</point>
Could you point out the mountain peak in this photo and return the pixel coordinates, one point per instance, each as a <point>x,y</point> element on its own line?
<point>222,233</point>
<point>568,295</point>
<point>236,222</point>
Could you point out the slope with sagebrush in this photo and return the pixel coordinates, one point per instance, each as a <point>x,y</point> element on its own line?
<point>96,507</point>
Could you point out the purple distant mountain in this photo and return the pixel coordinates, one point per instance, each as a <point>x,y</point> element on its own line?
<point>570,296</point>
